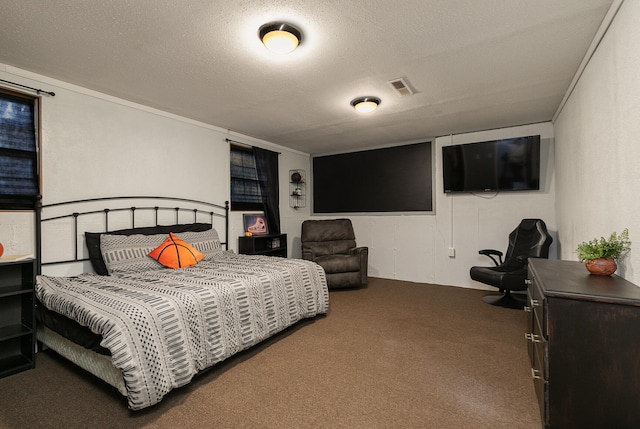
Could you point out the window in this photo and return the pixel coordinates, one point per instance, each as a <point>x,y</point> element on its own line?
<point>245,184</point>
<point>254,183</point>
<point>19,167</point>
<point>391,179</point>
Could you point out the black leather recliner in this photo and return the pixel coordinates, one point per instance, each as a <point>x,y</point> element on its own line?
<point>332,245</point>
<point>529,240</point>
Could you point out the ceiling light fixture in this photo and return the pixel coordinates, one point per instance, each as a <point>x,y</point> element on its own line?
<point>280,37</point>
<point>365,104</point>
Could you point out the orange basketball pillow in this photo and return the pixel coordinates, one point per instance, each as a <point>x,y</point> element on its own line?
<point>175,253</point>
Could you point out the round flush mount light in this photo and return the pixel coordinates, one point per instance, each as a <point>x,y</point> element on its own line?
<point>365,104</point>
<point>280,37</point>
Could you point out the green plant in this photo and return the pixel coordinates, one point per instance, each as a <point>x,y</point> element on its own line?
<point>615,247</point>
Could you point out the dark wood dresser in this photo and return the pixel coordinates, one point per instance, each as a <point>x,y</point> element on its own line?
<point>584,345</point>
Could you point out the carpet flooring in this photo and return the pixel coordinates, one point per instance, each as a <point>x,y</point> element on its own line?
<point>392,355</point>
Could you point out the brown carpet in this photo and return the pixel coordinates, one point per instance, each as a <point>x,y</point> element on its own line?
<point>392,355</point>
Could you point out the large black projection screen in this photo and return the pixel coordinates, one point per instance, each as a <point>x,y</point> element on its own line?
<point>392,179</point>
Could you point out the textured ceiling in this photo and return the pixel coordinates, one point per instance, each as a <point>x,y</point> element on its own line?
<point>473,65</point>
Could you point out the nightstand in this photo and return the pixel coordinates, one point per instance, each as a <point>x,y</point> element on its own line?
<point>269,245</point>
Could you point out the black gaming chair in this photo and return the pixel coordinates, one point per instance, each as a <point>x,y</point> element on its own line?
<point>529,240</point>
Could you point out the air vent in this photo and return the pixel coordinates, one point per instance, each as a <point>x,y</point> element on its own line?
<point>401,86</point>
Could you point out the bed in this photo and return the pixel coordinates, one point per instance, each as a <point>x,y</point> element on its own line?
<point>147,329</point>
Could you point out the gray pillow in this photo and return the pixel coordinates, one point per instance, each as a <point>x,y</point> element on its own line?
<point>206,242</point>
<point>93,239</point>
<point>129,253</point>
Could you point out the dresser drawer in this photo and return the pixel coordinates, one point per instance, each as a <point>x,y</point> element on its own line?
<point>539,375</point>
<point>537,304</point>
<point>537,346</point>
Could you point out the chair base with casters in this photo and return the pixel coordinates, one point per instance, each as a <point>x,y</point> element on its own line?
<point>506,300</point>
<point>529,240</point>
<point>507,279</point>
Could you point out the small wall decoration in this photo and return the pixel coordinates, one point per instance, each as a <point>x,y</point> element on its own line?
<point>297,187</point>
<point>255,223</point>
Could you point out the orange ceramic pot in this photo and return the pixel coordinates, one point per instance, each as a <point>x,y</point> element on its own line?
<point>602,266</point>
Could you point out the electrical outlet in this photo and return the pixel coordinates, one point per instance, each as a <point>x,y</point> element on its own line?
<point>452,252</point>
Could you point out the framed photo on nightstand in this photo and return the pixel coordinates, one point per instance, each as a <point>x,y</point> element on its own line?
<point>256,223</point>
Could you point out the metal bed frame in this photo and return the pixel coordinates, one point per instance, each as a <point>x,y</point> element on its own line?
<point>212,211</point>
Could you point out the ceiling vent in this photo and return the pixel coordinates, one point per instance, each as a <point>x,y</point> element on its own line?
<point>401,86</point>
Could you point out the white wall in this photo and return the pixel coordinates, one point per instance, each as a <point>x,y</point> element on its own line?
<point>94,145</point>
<point>597,147</point>
<point>416,247</point>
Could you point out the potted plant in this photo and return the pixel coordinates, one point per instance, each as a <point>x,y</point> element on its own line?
<point>599,255</point>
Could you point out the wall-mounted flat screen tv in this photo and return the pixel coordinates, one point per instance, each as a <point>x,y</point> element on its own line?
<point>497,165</point>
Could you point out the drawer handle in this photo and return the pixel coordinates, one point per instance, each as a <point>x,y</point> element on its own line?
<point>535,374</point>
<point>533,338</point>
<point>535,303</point>
<point>527,309</point>
<point>528,281</point>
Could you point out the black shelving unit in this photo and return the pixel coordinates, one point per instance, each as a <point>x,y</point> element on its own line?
<point>270,245</point>
<point>17,316</point>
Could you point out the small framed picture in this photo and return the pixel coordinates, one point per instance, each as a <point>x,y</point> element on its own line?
<point>256,223</point>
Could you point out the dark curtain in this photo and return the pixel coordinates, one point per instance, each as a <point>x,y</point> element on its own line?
<point>267,169</point>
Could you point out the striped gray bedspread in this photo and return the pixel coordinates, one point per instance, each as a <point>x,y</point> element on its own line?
<point>164,326</point>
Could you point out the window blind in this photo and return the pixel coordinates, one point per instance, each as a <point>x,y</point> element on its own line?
<point>19,181</point>
<point>392,179</point>
<point>245,186</point>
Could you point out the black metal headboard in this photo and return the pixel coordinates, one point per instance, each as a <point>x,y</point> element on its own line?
<point>202,209</point>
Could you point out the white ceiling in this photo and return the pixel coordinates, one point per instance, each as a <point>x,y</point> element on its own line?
<point>474,65</point>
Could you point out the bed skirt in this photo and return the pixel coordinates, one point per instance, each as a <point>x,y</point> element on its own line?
<point>99,365</point>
